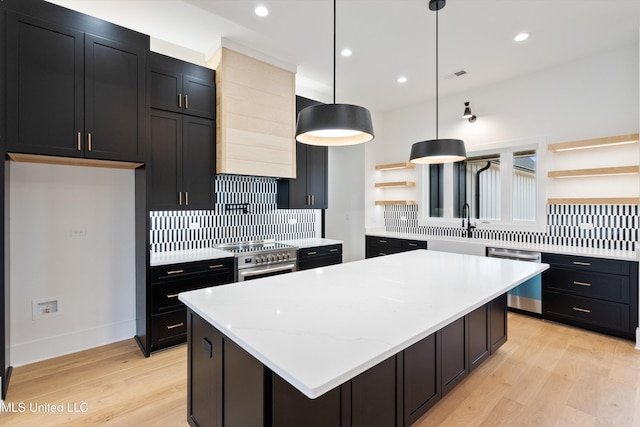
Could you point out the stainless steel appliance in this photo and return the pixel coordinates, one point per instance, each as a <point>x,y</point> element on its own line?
<point>262,258</point>
<point>526,297</point>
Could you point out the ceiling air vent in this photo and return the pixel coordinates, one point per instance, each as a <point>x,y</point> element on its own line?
<point>454,75</point>
<point>460,73</point>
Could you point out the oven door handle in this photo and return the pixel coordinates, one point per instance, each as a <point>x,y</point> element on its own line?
<point>267,270</point>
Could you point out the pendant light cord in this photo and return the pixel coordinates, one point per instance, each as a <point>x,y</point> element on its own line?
<point>437,120</point>
<point>334,51</point>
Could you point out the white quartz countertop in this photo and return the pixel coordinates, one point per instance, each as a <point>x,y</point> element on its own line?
<point>309,243</point>
<point>557,249</point>
<point>176,257</point>
<point>319,328</point>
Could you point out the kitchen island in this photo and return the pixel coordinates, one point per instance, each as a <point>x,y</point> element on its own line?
<point>372,342</point>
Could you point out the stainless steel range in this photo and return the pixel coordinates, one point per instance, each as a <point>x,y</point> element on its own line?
<point>262,258</point>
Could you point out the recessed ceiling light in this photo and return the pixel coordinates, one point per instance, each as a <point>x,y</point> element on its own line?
<point>346,52</point>
<point>261,11</point>
<point>402,79</point>
<point>521,37</point>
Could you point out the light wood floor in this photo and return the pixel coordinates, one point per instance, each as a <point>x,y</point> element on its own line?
<point>545,375</point>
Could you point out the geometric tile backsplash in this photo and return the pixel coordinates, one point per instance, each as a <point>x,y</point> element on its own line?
<point>614,226</point>
<point>245,210</point>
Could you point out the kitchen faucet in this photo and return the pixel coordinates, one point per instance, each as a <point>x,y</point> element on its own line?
<point>466,213</point>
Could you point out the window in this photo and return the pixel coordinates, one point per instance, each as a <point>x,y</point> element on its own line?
<point>502,185</point>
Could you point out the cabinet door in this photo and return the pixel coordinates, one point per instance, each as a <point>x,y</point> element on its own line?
<point>197,163</point>
<point>421,380</point>
<point>44,87</point>
<point>497,322</point>
<point>165,88</point>
<point>165,154</point>
<point>114,100</point>
<point>479,348</point>
<point>199,97</point>
<point>454,354</point>
<point>317,176</point>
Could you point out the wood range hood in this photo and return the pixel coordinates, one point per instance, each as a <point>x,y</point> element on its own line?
<point>255,116</point>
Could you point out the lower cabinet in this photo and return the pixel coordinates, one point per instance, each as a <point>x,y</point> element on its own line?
<point>162,322</point>
<point>592,293</point>
<point>319,256</point>
<point>229,387</point>
<point>380,246</point>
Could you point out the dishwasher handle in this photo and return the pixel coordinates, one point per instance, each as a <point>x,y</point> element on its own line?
<point>514,254</point>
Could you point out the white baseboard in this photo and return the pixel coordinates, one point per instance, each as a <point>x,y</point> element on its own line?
<point>59,345</point>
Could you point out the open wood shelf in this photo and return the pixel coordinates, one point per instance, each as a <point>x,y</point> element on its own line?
<point>395,202</point>
<point>390,166</point>
<point>595,201</point>
<point>613,170</point>
<point>594,143</point>
<point>395,184</point>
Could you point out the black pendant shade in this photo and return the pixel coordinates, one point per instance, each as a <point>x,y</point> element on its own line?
<point>334,124</point>
<point>438,151</point>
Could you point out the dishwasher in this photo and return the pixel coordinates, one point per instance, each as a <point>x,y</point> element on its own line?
<point>526,297</point>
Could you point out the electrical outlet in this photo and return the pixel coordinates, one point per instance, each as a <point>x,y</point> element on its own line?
<point>78,232</point>
<point>45,307</point>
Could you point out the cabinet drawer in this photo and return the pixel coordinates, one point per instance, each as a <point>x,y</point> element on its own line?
<point>587,263</point>
<point>610,287</point>
<point>385,242</point>
<point>191,269</point>
<point>317,251</point>
<point>586,311</point>
<point>164,295</point>
<point>169,328</point>
<point>319,261</point>
<point>413,244</point>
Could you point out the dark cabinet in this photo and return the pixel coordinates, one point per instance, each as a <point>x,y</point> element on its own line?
<point>162,321</point>
<point>73,93</point>
<point>181,160</point>
<point>180,165</point>
<point>479,331</point>
<point>181,87</point>
<point>309,188</point>
<point>593,293</point>
<point>380,246</point>
<point>236,389</point>
<point>319,256</point>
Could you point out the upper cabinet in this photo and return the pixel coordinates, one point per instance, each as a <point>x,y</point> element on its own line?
<point>309,189</point>
<point>255,116</point>
<point>182,88</point>
<point>180,163</point>
<point>73,93</point>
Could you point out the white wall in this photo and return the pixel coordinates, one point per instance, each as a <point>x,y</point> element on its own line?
<point>92,276</point>
<point>590,98</point>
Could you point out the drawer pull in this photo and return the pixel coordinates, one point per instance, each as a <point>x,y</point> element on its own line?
<point>412,244</point>
<point>586,264</point>
<point>175,271</point>
<point>333,250</point>
<point>177,325</point>
<point>382,254</point>
<point>311,253</point>
<point>582,284</point>
<point>581,310</point>
<point>216,266</point>
<point>170,296</point>
<point>382,241</point>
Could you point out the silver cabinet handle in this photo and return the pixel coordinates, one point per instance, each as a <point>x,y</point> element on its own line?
<point>311,253</point>
<point>382,241</point>
<point>180,100</point>
<point>79,146</point>
<point>267,270</point>
<point>412,244</point>
<point>171,296</point>
<point>581,310</point>
<point>586,264</point>
<point>175,271</point>
<point>216,266</point>
<point>581,283</point>
<point>333,250</point>
<point>186,102</point>
<point>89,140</point>
<point>186,198</point>
<point>180,198</point>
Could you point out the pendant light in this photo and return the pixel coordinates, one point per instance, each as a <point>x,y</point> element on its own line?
<point>334,124</point>
<point>437,150</point>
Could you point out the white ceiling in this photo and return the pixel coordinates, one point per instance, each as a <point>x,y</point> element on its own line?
<point>389,38</point>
